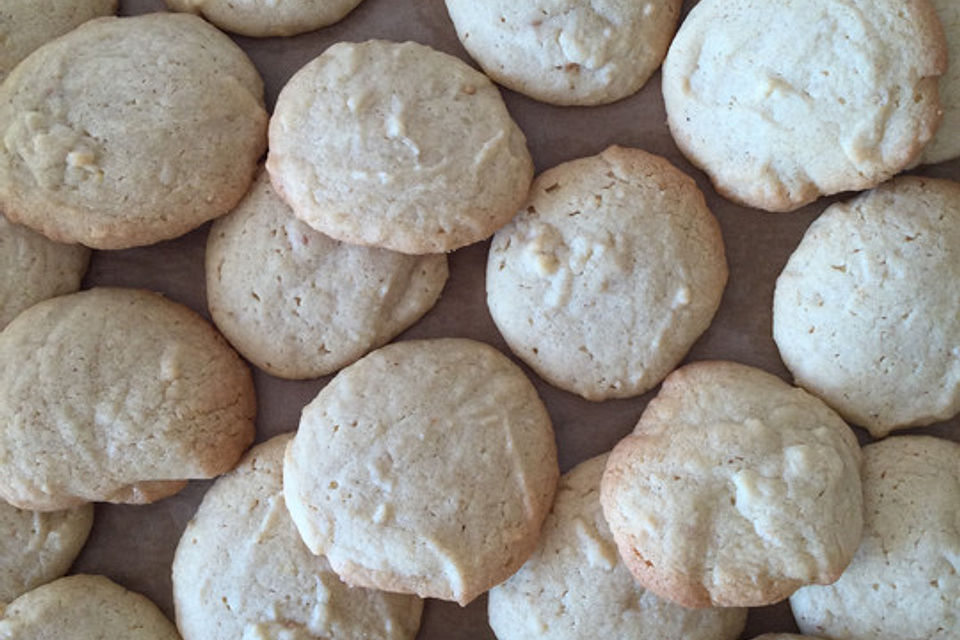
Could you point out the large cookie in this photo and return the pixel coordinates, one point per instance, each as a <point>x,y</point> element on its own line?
<point>117,395</point>
<point>127,131</point>
<point>781,101</point>
<point>242,571</point>
<point>866,313</point>
<point>425,467</point>
<point>610,273</point>
<point>260,19</point>
<point>735,489</point>
<point>397,146</point>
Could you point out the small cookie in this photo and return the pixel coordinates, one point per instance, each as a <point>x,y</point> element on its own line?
<point>119,395</point>
<point>567,52</point>
<point>613,270</point>
<point>575,586</point>
<point>783,101</point>
<point>397,146</point>
<point>903,582</point>
<point>735,489</point>
<point>260,19</point>
<point>946,142</point>
<point>35,268</point>
<point>27,24</point>
<point>84,607</point>
<point>36,548</point>
<point>425,467</point>
<point>127,131</point>
<point>301,305</point>
<point>866,313</point>
<point>241,570</point>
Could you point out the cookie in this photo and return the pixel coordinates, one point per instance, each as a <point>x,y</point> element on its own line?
<point>575,586</point>
<point>735,489</point>
<point>297,303</point>
<point>861,313</point>
<point>397,146</point>
<point>119,395</point>
<point>128,131</point>
<point>783,101</point>
<point>425,467</point>
<point>903,581</point>
<point>608,276</point>
<point>90,607</point>
<point>570,52</point>
<point>784,636</point>
<point>262,19</point>
<point>35,268</point>
<point>36,548</point>
<point>945,144</point>
<point>27,24</point>
<point>241,570</point>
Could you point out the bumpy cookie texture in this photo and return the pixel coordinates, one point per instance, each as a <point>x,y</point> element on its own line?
<point>258,19</point>
<point>783,101</point>
<point>866,313</point>
<point>735,489</point>
<point>27,24</point>
<point>575,586</point>
<point>568,52</point>
<point>38,547</point>
<point>397,146</point>
<point>609,275</point>
<point>426,467</point>
<point>299,304</point>
<point>35,268</point>
<point>117,395</point>
<point>903,581</point>
<point>242,571</point>
<point>128,131</point>
<point>84,607</point>
<point>946,142</point>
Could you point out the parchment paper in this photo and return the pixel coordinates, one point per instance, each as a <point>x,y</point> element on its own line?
<point>134,545</point>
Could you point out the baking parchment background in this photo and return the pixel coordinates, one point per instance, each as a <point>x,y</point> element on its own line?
<point>134,545</point>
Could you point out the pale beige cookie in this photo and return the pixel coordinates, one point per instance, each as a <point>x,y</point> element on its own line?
<point>260,19</point>
<point>397,146</point>
<point>297,303</point>
<point>84,607</point>
<point>610,273</point>
<point>866,313</point>
<point>36,548</point>
<point>946,142</point>
<point>27,24</point>
<point>782,101</point>
<point>242,571</point>
<point>575,587</point>
<point>34,268</point>
<point>903,581</point>
<point>117,395</point>
<point>735,489</point>
<point>567,52</point>
<point>127,131</point>
<point>426,467</point>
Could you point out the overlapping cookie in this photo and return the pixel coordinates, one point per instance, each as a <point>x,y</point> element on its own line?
<point>261,19</point>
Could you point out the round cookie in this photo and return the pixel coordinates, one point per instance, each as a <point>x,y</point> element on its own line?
<point>861,313</point>
<point>397,146</point>
<point>242,571</point>
<point>946,142</point>
<point>735,489</point>
<point>425,467</point>
<point>567,52</point>
<point>613,270</point>
<point>903,581</point>
<point>260,19</point>
<point>35,268</point>
<point>575,586</point>
<point>90,607</point>
<point>119,395</point>
<point>782,101</point>
<point>299,304</point>
<point>36,548</point>
<point>127,131</point>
